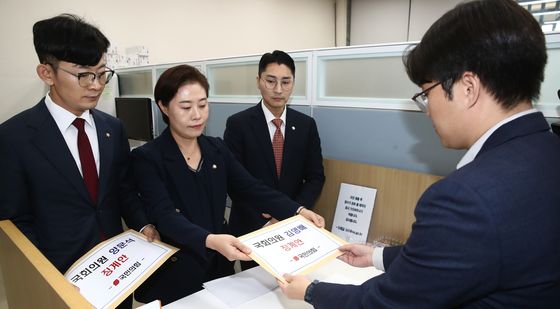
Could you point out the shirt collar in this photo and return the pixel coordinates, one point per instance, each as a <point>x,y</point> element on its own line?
<point>475,148</point>
<point>64,118</point>
<point>269,116</point>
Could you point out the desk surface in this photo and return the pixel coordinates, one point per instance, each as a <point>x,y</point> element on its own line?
<point>334,271</point>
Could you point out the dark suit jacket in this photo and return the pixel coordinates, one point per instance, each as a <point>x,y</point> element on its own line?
<point>43,192</point>
<point>302,175</point>
<point>485,236</point>
<point>161,172</point>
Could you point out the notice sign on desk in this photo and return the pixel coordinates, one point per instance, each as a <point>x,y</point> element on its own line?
<point>353,212</point>
<point>293,246</point>
<point>113,269</point>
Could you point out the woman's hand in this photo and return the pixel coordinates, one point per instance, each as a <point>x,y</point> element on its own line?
<point>228,246</point>
<point>313,217</point>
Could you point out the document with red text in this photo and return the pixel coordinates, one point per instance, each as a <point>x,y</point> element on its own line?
<point>294,246</point>
<point>113,269</point>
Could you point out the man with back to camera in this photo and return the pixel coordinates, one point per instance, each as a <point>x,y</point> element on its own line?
<point>487,234</point>
<point>276,144</point>
<point>65,181</point>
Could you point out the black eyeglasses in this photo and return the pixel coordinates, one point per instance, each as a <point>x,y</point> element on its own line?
<point>421,98</point>
<point>86,79</point>
<point>285,83</point>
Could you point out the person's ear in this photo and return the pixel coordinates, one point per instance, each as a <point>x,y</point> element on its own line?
<point>470,87</point>
<point>163,108</point>
<point>46,73</point>
<point>258,77</point>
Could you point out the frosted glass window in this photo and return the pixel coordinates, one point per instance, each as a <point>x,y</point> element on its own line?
<point>301,79</point>
<point>237,79</point>
<point>240,79</point>
<point>135,83</point>
<point>373,77</point>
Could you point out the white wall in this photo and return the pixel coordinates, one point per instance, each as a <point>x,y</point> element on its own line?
<point>378,21</point>
<point>388,21</point>
<point>173,31</point>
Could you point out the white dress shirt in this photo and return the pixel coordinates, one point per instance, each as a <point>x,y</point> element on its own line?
<point>377,255</point>
<point>64,119</point>
<point>269,117</point>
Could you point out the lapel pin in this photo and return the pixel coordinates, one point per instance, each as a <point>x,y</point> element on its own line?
<point>214,166</point>
<point>293,128</point>
<point>107,134</point>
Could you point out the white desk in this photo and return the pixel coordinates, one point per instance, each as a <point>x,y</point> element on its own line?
<point>335,271</point>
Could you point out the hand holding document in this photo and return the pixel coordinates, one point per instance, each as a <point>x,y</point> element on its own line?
<point>228,246</point>
<point>113,269</point>
<point>292,246</point>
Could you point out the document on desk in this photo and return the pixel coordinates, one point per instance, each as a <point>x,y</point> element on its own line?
<point>294,246</point>
<point>113,269</point>
<point>242,287</point>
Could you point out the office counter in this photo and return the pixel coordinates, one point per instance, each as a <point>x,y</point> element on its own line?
<point>334,271</point>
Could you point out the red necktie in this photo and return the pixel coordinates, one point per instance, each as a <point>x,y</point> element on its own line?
<point>89,170</point>
<point>278,145</point>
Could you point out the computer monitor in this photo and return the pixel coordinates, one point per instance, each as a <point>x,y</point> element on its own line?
<point>136,115</point>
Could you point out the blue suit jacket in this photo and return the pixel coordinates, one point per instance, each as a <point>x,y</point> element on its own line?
<point>161,172</point>
<point>485,236</point>
<point>43,192</point>
<point>302,176</point>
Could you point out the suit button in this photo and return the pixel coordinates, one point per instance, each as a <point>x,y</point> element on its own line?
<point>178,210</point>
<point>173,259</point>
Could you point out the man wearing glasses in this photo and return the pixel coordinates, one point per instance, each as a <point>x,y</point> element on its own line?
<point>487,235</point>
<point>275,143</point>
<point>64,177</point>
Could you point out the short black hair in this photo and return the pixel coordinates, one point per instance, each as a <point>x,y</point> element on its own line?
<point>498,40</point>
<point>174,78</point>
<point>278,57</point>
<point>67,37</point>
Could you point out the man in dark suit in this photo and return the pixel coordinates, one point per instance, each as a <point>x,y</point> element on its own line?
<point>65,181</point>
<point>486,235</point>
<point>288,157</point>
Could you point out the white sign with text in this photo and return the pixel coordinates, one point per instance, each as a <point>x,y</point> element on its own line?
<point>112,270</point>
<point>353,212</point>
<point>293,246</point>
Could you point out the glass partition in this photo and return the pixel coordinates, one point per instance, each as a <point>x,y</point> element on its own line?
<point>238,79</point>
<point>358,77</point>
<point>135,83</point>
<point>370,76</point>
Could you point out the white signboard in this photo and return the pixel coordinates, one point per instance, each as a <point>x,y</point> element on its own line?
<point>294,246</point>
<point>113,269</point>
<point>353,212</point>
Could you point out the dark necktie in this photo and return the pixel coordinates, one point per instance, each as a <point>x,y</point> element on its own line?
<point>89,170</point>
<point>278,145</point>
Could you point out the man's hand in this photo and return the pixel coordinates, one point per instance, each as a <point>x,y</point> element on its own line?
<point>357,255</point>
<point>296,286</point>
<point>271,220</point>
<point>151,233</point>
<point>228,246</point>
<point>313,217</point>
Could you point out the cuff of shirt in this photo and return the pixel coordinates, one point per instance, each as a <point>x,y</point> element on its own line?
<point>377,258</point>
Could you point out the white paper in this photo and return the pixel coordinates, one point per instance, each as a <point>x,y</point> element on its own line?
<point>111,269</point>
<point>353,212</point>
<point>156,304</point>
<point>242,287</point>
